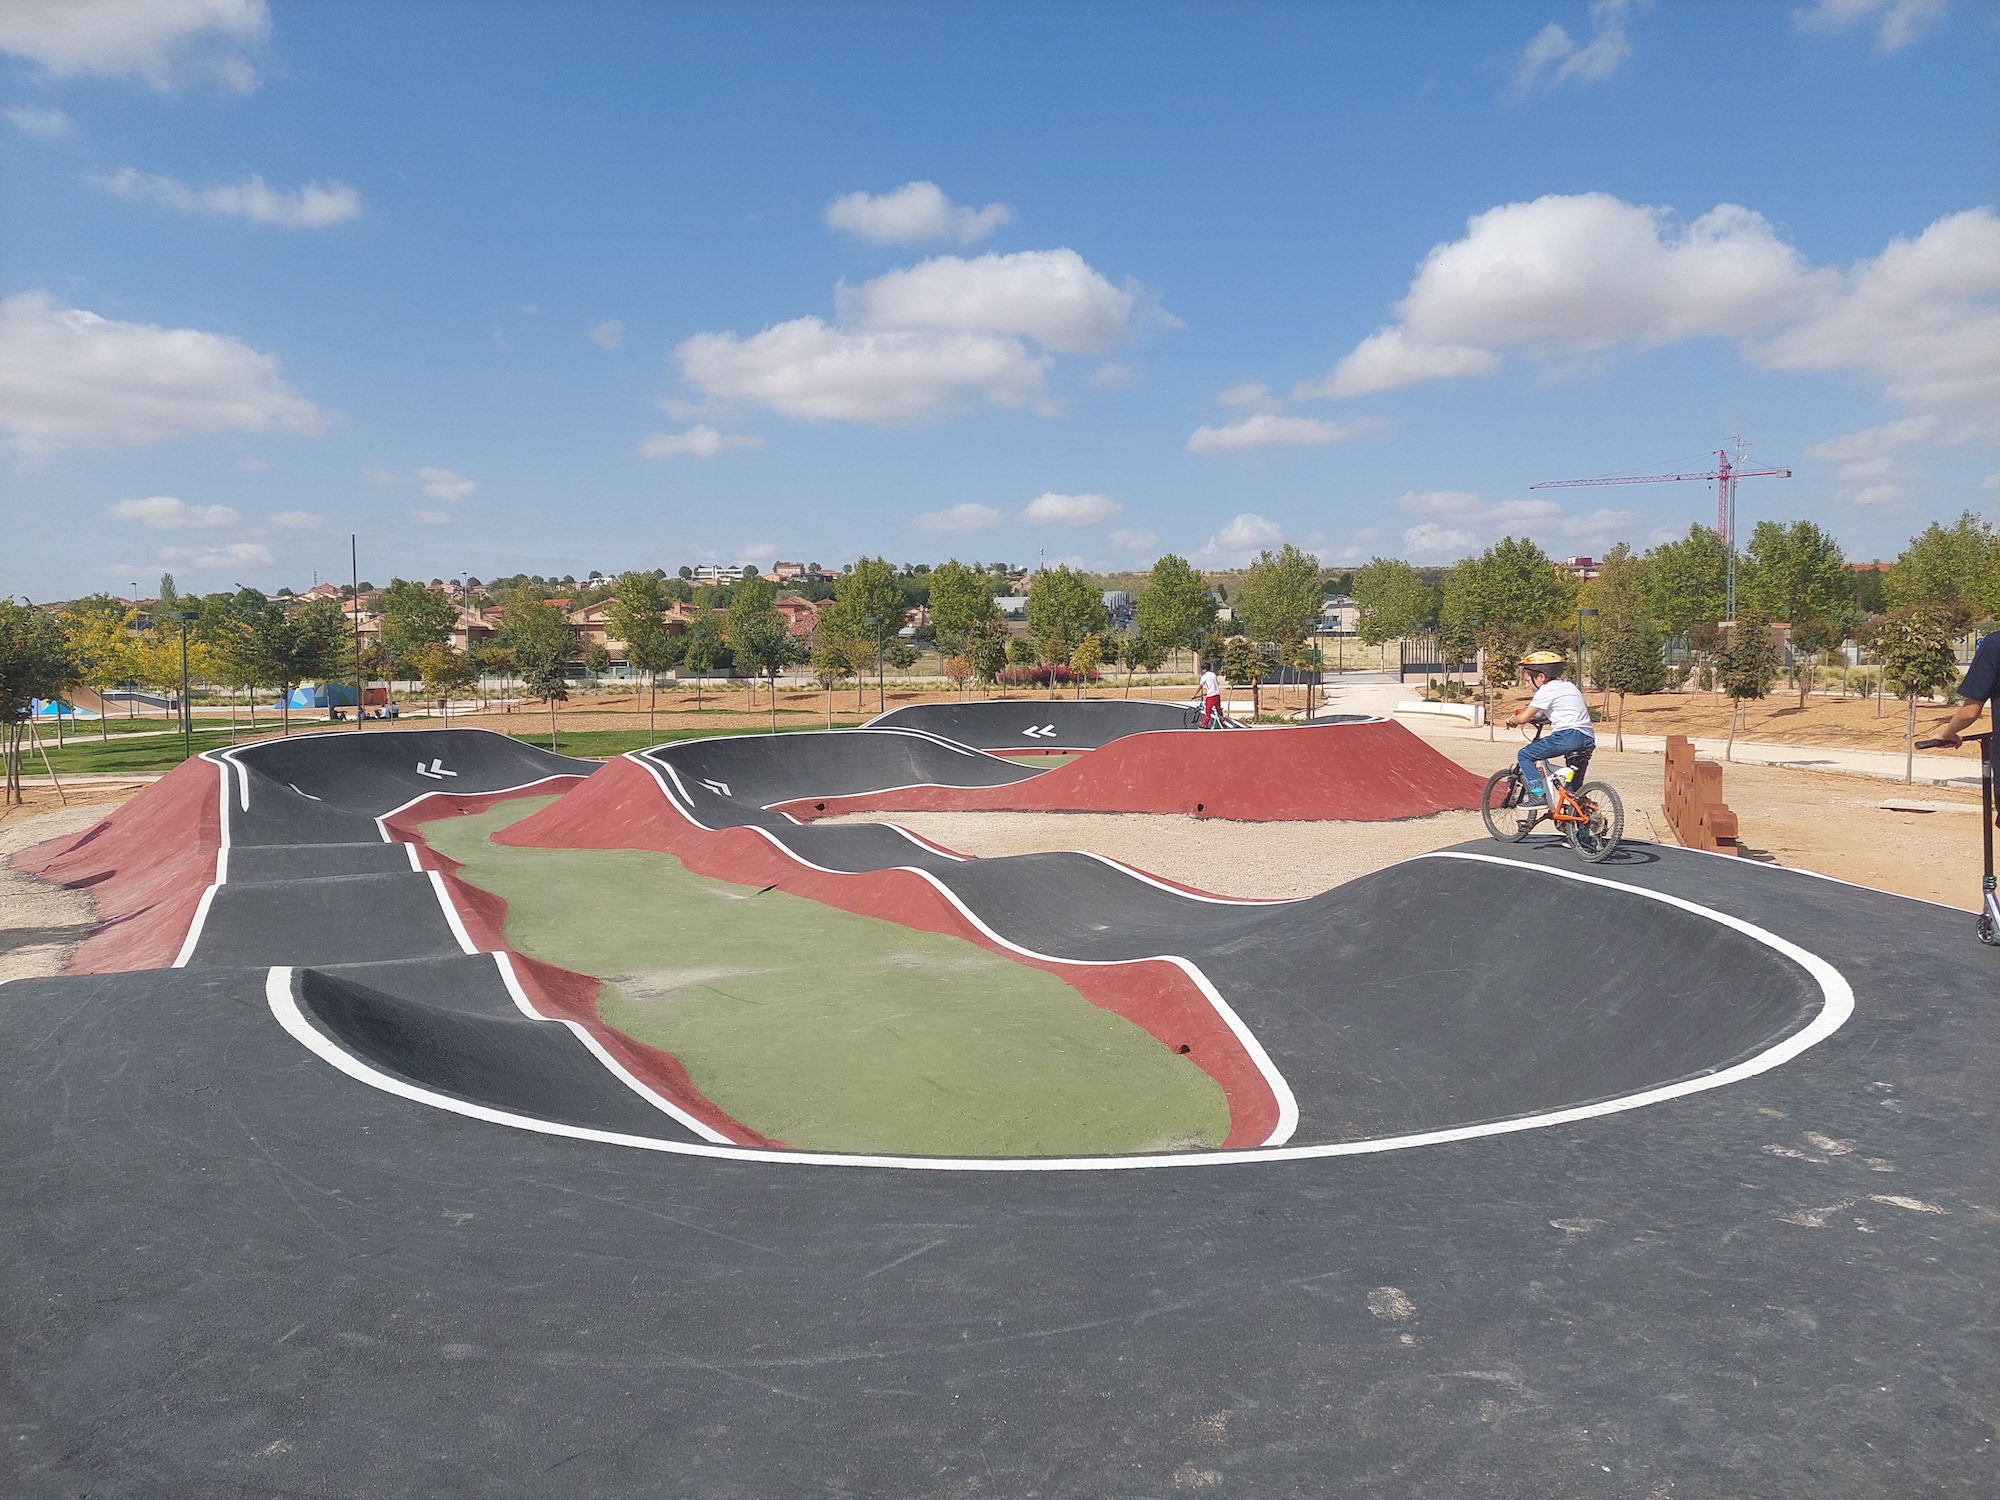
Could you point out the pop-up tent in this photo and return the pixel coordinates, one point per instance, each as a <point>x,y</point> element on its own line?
<point>55,708</point>
<point>320,695</point>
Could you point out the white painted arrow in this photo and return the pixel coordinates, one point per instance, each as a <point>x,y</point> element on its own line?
<point>1042,732</point>
<point>717,786</point>
<point>437,772</point>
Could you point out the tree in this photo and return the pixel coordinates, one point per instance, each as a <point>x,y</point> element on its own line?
<point>1393,601</point>
<point>705,649</point>
<point>1748,667</point>
<point>539,635</point>
<point>1813,642</point>
<point>1021,652</point>
<point>1794,572</point>
<point>413,617</point>
<point>1085,659</point>
<point>1631,658</point>
<point>961,601</point>
<point>637,616</point>
<point>1065,603</point>
<point>986,648</point>
<point>99,629</point>
<point>1914,646</point>
<point>1686,580</point>
<point>759,641</point>
<point>753,611</point>
<point>34,663</point>
<point>957,671</point>
<point>293,641</point>
<point>232,649</point>
<point>1281,599</point>
<point>446,671</point>
<point>1956,566</point>
<point>1243,666</point>
<point>1174,608</point>
<point>870,592</point>
<point>830,668</point>
<point>1146,654</point>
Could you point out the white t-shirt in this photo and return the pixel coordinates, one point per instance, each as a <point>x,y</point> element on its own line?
<point>1211,686</point>
<point>1563,702</point>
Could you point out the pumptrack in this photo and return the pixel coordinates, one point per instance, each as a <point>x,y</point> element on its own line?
<point>321,1188</point>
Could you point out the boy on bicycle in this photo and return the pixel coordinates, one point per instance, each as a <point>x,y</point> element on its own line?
<point>1560,704</point>
<point>1211,696</point>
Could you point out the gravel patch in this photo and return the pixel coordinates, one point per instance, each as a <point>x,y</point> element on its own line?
<point>40,923</point>
<point>1270,860</point>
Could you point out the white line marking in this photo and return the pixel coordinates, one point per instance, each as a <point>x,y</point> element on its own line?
<point>194,928</point>
<point>1836,1007</point>
<point>618,1070</point>
<point>382,822</point>
<point>416,862</point>
<point>451,914</point>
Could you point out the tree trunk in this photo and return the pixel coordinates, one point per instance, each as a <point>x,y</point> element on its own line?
<point>652,702</point>
<point>1729,750</point>
<point>285,707</point>
<point>1620,734</point>
<point>552,723</point>
<point>1910,744</point>
<point>774,702</point>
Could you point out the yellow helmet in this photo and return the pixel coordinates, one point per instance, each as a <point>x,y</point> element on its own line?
<point>1550,663</point>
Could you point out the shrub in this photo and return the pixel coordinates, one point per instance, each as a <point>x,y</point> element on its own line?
<point>1042,676</point>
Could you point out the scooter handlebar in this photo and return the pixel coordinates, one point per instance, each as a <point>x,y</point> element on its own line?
<point>1963,739</point>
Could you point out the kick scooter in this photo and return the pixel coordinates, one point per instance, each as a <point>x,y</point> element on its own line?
<point>1989,916</point>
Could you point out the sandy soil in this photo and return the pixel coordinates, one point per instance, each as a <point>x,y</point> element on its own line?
<point>1848,723</point>
<point>1834,825</point>
<point>41,924</point>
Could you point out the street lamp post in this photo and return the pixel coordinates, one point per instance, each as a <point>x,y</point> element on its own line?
<point>187,617</point>
<point>875,624</point>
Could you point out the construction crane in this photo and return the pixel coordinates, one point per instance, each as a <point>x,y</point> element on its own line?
<point>1724,474</point>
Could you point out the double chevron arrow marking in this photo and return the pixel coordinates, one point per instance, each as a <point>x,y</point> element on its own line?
<point>437,772</point>
<point>1040,732</point>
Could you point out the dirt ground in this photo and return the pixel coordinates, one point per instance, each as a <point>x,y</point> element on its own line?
<point>41,923</point>
<point>1831,824</point>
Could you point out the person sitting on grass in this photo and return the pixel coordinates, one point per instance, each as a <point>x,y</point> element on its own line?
<point>1211,696</point>
<point>1559,704</point>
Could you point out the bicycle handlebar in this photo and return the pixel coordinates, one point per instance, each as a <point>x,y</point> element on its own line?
<point>1963,739</point>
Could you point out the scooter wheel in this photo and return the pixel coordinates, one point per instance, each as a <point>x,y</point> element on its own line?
<point>1988,934</point>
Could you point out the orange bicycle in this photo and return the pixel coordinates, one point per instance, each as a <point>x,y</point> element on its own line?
<point>1590,817</point>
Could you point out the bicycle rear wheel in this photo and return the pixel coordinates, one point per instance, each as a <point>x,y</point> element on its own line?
<point>1500,806</point>
<point>1597,840</point>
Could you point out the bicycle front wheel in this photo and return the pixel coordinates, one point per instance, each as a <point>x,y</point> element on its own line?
<point>1500,807</point>
<point>1597,840</point>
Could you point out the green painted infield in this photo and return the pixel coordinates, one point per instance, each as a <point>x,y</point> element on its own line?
<point>835,1032</point>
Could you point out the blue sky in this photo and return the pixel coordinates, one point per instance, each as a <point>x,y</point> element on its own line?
<point>561,287</point>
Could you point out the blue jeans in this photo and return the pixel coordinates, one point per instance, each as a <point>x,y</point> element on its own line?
<point>1548,747</point>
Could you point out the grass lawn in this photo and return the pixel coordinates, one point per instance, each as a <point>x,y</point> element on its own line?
<point>836,1032</point>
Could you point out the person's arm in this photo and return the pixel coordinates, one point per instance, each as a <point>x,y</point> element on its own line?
<point>1981,683</point>
<point>1963,718</point>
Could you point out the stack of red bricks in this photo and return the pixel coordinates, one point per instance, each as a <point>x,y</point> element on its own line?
<point>1694,807</point>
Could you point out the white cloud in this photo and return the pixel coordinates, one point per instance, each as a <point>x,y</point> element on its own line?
<point>1553,57</point>
<point>1585,276</point>
<point>377,475</point>
<point>1468,506</point>
<point>1266,430</point>
<point>166,513</point>
<point>1923,317</point>
<point>443,484</point>
<point>1428,537</point>
<point>814,372</point>
<point>70,378</point>
<point>1117,375</point>
<point>1236,543</point>
<point>299,520</point>
<point>235,555</point>
<point>165,42</point>
<point>1901,21</point>
<point>431,517</point>
<point>314,206</point>
<point>35,120</point>
<point>1052,509</point>
<point>1990,482</point>
<point>1389,359</point>
<point>700,441</point>
<point>1251,393</point>
<point>914,211</point>
<point>1133,541</point>
<point>249,463</point>
<point>965,517</point>
<point>1050,296</point>
<point>758,551</point>
<point>1873,470</point>
<point>608,334</point>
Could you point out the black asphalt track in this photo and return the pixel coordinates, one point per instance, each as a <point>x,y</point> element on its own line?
<point>1025,724</point>
<point>232,1270</point>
